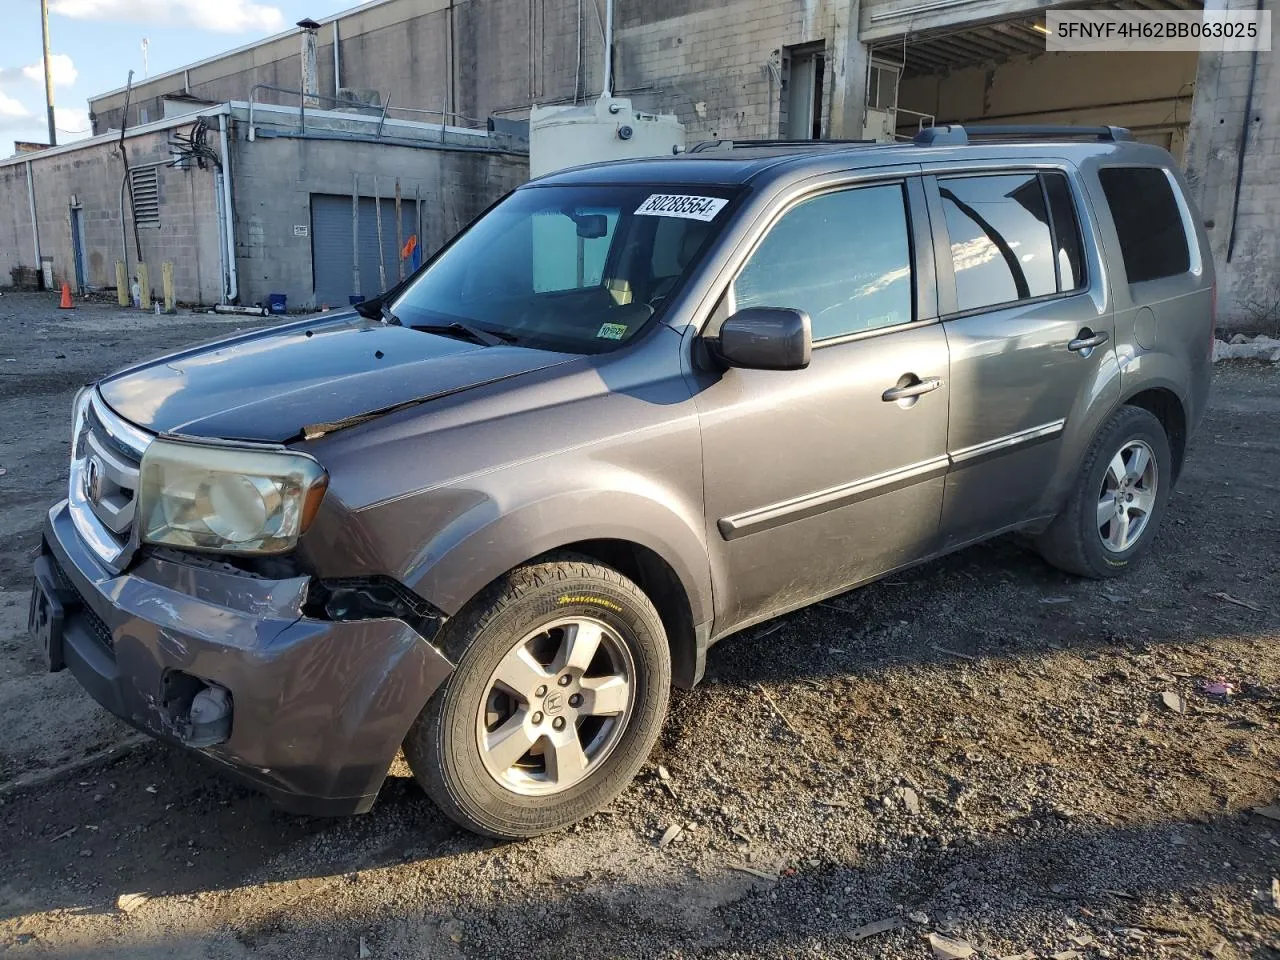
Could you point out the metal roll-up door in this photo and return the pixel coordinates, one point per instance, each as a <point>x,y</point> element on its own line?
<point>332,251</point>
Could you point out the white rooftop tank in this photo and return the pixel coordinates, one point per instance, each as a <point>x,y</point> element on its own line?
<point>609,129</point>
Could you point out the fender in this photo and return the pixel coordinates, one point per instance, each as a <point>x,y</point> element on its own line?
<point>487,538</point>
<point>1158,370</point>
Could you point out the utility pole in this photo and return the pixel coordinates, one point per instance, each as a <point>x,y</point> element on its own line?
<point>48,71</point>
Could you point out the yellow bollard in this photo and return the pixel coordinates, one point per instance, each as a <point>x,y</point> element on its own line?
<point>122,283</point>
<point>167,272</point>
<point>144,288</point>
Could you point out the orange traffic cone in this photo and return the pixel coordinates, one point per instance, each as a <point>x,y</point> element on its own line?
<point>66,303</point>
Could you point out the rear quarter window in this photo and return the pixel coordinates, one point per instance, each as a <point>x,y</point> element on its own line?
<point>1153,241</point>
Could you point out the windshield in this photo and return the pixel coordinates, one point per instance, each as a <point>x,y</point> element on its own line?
<point>579,269</point>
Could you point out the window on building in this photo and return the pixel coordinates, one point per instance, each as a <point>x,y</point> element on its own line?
<point>882,87</point>
<point>144,188</point>
<point>1001,245</point>
<point>1153,242</point>
<point>1067,246</point>
<point>843,257</point>
<point>802,92</point>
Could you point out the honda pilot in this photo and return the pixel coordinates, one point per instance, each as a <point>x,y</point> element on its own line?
<point>493,515</point>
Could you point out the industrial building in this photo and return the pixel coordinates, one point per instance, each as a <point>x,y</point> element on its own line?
<point>733,69</point>
<point>247,201</point>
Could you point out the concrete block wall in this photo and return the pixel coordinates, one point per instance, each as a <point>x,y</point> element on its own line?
<point>709,63</point>
<point>187,234</point>
<point>704,60</point>
<point>91,177</point>
<point>16,246</point>
<point>275,177</point>
<point>1249,282</point>
<point>418,48</point>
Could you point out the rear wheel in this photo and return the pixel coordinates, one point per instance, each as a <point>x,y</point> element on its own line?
<point>559,693</point>
<point>1111,517</point>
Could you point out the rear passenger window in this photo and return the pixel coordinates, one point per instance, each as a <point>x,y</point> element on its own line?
<point>1067,246</point>
<point>1148,222</point>
<point>1001,245</point>
<point>844,258</point>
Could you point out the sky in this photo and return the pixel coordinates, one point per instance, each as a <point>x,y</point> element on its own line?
<point>95,43</point>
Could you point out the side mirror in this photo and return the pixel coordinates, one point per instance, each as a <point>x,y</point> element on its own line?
<point>765,338</point>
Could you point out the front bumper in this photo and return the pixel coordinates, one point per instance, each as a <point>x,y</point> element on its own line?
<point>319,708</point>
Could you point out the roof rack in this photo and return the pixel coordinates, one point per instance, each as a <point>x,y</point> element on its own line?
<point>953,134</point>
<point>706,146</point>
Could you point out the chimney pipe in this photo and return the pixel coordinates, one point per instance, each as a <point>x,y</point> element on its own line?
<point>310,73</point>
<point>608,48</point>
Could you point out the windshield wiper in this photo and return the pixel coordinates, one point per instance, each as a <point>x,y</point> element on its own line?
<point>376,310</point>
<point>456,328</point>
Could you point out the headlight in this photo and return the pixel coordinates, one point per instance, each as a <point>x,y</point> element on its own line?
<point>79,414</point>
<point>228,499</point>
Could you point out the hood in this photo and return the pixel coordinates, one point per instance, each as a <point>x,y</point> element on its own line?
<point>270,384</point>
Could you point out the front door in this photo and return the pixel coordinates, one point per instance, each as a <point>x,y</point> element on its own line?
<point>77,249</point>
<point>1029,328</point>
<point>816,479</point>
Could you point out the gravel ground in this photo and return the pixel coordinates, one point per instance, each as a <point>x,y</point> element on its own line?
<point>982,751</point>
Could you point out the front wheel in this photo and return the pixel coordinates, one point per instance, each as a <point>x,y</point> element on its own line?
<point>560,690</point>
<point>1112,514</point>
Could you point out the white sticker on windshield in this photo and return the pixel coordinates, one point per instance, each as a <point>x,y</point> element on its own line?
<point>679,205</point>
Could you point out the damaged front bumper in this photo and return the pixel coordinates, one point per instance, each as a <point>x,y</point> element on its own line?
<point>317,709</point>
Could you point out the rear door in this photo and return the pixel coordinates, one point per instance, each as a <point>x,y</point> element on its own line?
<point>1028,321</point>
<point>818,478</point>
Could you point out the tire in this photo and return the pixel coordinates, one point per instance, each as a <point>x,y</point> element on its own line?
<point>557,601</point>
<point>1077,541</point>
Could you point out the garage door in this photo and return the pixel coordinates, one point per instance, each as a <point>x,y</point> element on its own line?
<point>332,253</point>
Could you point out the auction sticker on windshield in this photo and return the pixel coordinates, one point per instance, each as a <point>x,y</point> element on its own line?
<point>680,205</point>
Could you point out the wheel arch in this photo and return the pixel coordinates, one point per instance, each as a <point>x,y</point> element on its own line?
<point>662,585</point>
<point>1165,405</point>
<point>642,539</point>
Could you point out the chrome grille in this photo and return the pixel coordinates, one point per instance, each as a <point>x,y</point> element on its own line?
<point>106,452</point>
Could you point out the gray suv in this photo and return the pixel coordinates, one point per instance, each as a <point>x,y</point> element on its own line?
<point>493,515</point>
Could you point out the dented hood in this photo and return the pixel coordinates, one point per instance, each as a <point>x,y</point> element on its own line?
<point>271,384</point>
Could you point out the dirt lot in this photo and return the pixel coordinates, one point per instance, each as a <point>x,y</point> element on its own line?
<point>978,750</point>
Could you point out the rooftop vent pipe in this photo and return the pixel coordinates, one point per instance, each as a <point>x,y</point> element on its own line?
<point>608,47</point>
<point>310,73</point>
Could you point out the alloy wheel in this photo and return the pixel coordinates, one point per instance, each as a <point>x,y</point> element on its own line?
<point>556,706</point>
<point>1128,496</point>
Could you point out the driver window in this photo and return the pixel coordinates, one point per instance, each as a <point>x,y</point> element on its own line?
<point>842,257</point>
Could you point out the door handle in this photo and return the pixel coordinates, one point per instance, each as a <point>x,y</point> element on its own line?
<point>907,391</point>
<point>1086,341</point>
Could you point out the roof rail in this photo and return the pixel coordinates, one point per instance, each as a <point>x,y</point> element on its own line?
<point>951,134</point>
<point>706,146</point>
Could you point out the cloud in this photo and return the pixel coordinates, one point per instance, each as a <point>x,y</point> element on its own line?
<point>64,71</point>
<point>222,16</point>
<point>72,123</point>
<point>12,113</point>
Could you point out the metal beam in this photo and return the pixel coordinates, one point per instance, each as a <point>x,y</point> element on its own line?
<point>931,61</point>
<point>959,55</point>
<point>993,38</point>
<point>966,44</point>
<point>1027,39</point>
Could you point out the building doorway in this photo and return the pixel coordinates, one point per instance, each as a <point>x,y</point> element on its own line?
<point>803,69</point>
